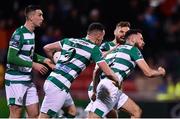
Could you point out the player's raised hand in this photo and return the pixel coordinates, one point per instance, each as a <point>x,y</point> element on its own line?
<point>40,68</point>
<point>162,71</point>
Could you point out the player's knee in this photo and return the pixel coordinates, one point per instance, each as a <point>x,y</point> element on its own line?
<point>92,115</point>
<point>33,115</point>
<point>71,110</point>
<point>112,114</point>
<point>15,111</point>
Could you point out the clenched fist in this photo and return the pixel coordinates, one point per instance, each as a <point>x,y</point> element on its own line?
<point>162,71</point>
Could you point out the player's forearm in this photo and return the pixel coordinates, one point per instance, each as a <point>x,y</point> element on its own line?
<point>38,58</point>
<point>153,73</point>
<point>96,79</point>
<point>111,75</point>
<point>108,72</point>
<point>13,58</point>
<point>51,48</point>
<point>149,72</point>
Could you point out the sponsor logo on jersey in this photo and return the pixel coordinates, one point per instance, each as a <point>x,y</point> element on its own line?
<point>63,67</point>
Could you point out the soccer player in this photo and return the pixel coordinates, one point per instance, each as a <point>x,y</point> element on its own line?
<point>76,55</point>
<point>21,59</point>
<point>122,61</point>
<point>121,28</point>
<point>69,108</point>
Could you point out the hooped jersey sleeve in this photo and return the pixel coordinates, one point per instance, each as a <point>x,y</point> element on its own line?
<point>136,54</point>
<point>97,55</point>
<point>16,40</point>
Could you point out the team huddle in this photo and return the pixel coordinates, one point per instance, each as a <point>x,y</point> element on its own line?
<point>67,58</point>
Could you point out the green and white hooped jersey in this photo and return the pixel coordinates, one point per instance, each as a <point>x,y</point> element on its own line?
<point>122,60</point>
<point>76,55</point>
<point>22,40</point>
<point>106,46</point>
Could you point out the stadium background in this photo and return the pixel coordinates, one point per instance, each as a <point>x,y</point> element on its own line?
<point>159,20</point>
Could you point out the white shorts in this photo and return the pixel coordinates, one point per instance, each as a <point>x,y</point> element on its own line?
<point>108,97</point>
<point>90,92</point>
<point>122,99</point>
<point>21,94</point>
<point>54,99</point>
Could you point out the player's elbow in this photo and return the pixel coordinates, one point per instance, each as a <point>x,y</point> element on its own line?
<point>9,60</point>
<point>45,48</point>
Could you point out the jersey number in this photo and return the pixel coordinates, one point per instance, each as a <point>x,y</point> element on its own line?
<point>69,55</point>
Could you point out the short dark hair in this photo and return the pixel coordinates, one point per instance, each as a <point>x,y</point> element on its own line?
<point>132,31</point>
<point>95,26</point>
<point>123,24</point>
<point>31,8</point>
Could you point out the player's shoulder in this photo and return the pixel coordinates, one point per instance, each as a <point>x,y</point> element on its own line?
<point>128,46</point>
<point>19,31</point>
<point>111,43</point>
<point>87,43</point>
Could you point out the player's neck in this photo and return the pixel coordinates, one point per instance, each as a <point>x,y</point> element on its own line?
<point>29,26</point>
<point>91,38</point>
<point>130,42</point>
<point>116,42</point>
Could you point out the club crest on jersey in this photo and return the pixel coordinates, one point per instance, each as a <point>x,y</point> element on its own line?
<point>16,37</point>
<point>15,41</point>
<point>20,100</point>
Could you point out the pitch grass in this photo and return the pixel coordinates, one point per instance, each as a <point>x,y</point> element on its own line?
<point>4,111</point>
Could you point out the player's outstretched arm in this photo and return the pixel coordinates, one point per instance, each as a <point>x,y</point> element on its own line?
<point>40,68</point>
<point>96,73</point>
<point>149,72</point>
<point>40,59</point>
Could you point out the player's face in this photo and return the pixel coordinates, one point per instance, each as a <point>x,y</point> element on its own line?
<point>120,32</point>
<point>37,18</point>
<point>139,41</point>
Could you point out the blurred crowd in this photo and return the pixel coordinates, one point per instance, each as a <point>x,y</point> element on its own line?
<point>159,20</point>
